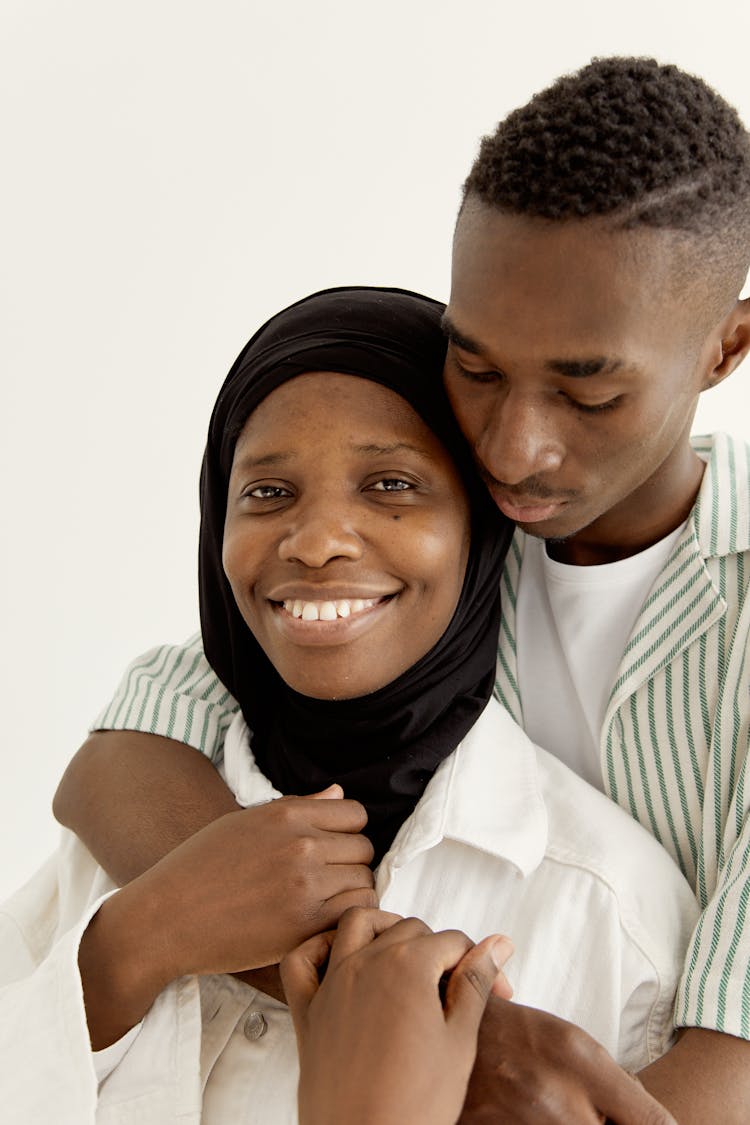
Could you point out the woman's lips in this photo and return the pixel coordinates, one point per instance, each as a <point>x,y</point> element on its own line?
<point>334,620</point>
<point>328,610</point>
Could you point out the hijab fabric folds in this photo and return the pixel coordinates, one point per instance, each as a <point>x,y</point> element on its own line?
<point>384,747</point>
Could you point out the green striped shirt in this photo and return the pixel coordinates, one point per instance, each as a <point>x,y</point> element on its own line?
<point>674,744</point>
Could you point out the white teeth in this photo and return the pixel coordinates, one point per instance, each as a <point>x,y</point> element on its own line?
<point>327,611</point>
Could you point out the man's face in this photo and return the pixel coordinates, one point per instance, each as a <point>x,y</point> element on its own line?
<point>575,372</point>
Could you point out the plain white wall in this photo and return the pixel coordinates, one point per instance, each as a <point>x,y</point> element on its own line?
<point>173,172</point>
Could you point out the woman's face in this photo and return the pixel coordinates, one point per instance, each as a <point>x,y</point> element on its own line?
<point>347,534</point>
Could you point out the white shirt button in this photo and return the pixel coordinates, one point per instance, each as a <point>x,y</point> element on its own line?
<point>255,1026</point>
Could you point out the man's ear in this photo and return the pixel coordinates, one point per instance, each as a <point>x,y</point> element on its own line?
<point>732,346</point>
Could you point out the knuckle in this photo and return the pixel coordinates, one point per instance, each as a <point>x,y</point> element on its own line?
<point>657,1115</point>
<point>478,981</point>
<point>283,811</point>
<point>305,849</point>
<point>352,915</point>
<point>580,1047</point>
<point>364,899</point>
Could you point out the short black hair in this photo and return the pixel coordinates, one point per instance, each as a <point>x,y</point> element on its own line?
<point>643,143</point>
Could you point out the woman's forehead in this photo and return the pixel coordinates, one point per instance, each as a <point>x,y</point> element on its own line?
<point>358,399</point>
<point>315,412</point>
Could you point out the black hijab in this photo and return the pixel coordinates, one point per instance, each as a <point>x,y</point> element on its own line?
<point>383,747</point>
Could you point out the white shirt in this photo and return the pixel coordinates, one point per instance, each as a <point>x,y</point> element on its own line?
<point>504,839</point>
<point>573,623</point>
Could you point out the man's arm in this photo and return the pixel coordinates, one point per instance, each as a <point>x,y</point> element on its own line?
<point>704,1077</point>
<point>136,789</point>
<point>133,797</point>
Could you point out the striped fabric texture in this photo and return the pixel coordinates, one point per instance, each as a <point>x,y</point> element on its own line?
<point>674,745</point>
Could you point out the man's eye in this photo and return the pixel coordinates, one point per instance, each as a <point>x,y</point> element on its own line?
<point>596,408</point>
<point>476,376</point>
<point>392,484</point>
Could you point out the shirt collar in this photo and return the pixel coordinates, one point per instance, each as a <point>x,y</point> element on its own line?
<point>485,795</point>
<point>721,515</point>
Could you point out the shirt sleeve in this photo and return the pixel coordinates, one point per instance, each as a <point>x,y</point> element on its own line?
<point>46,1067</point>
<point>172,691</point>
<point>714,992</point>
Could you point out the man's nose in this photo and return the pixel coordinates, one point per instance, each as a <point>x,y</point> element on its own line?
<point>321,531</point>
<point>519,440</point>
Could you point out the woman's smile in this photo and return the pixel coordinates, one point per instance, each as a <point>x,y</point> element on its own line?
<point>331,621</point>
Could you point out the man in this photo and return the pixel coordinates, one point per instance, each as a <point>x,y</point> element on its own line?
<point>602,243</point>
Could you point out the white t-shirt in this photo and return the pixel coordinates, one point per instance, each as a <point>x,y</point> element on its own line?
<point>573,623</point>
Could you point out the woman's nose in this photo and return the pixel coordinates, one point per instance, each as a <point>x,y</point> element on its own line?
<point>320,532</point>
<point>519,440</point>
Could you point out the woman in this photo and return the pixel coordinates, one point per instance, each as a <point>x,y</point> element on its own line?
<point>349,601</point>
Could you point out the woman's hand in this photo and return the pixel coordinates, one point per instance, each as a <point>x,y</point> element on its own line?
<point>238,894</point>
<point>376,1043</point>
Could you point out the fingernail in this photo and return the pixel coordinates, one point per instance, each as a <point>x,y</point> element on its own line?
<point>501,952</point>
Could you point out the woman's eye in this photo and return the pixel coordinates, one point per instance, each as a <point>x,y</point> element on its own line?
<point>268,492</point>
<point>392,484</point>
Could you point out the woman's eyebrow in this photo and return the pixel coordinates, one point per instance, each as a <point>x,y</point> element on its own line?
<point>369,449</point>
<point>372,450</point>
<point>266,460</point>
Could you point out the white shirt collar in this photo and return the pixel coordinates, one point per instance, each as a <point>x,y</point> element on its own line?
<point>485,795</point>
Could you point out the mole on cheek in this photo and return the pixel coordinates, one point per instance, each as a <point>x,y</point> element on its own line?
<point>397,517</point>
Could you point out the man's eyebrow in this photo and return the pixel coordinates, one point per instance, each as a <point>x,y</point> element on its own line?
<point>464,342</point>
<point>583,368</point>
<point>570,368</point>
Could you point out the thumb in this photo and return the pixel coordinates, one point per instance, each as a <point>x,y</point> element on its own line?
<point>334,792</point>
<point>473,979</point>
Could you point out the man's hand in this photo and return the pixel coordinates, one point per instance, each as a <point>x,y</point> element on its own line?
<point>376,1043</point>
<point>535,1069</point>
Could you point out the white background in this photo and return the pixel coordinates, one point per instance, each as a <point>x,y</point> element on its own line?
<point>172,173</point>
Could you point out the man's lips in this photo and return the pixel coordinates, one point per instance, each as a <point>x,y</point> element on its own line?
<point>526,509</point>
